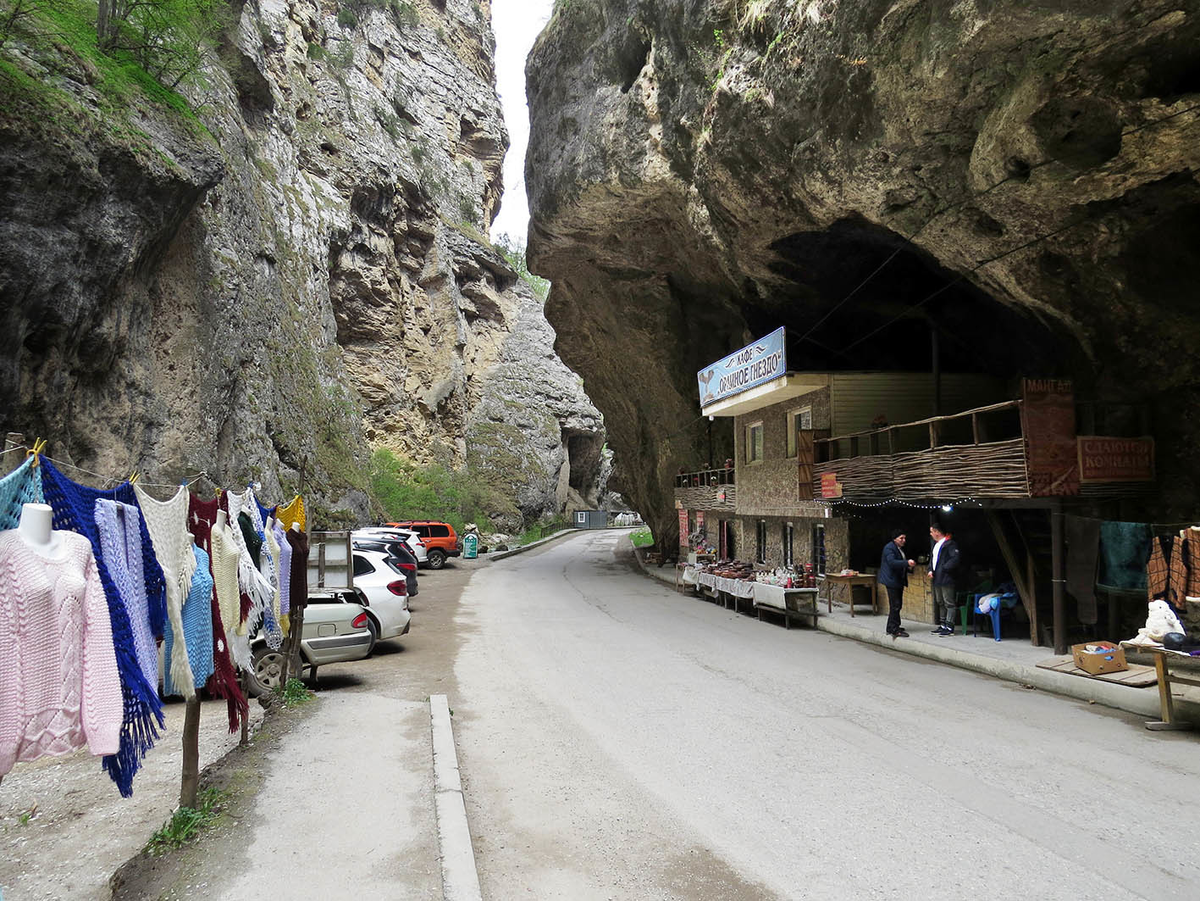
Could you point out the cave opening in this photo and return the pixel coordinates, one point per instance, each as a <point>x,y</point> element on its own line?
<point>860,297</point>
<point>583,459</point>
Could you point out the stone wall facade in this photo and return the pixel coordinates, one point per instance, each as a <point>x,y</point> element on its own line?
<point>770,486</point>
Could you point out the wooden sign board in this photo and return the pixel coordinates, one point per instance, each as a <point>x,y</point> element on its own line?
<point>683,530</point>
<point>1106,459</point>
<point>1048,422</point>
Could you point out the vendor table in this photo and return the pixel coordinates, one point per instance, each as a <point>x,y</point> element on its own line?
<point>866,579</point>
<point>730,591</point>
<point>788,602</point>
<point>1165,678</point>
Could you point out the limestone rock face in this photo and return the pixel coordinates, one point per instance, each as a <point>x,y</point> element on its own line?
<point>1021,175</point>
<point>267,292</point>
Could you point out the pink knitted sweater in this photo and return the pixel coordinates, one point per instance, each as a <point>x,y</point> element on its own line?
<point>59,687</point>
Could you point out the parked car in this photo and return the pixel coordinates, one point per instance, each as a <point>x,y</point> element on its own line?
<point>439,537</point>
<point>336,629</point>
<point>386,588</point>
<point>387,533</point>
<point>400,555</point>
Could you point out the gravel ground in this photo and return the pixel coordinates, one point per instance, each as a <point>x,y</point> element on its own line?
<point>82,829</point>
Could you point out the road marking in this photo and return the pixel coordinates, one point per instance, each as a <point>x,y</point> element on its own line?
<point>460,879</point>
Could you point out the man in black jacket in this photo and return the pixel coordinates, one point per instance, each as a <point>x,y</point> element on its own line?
<point>893,574</point>
<point>943,567</point>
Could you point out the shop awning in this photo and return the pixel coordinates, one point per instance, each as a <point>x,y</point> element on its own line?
<point>787,386</point>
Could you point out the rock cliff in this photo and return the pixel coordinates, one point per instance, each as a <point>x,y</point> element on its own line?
<point>288,269</point>
<point>1020,175</point>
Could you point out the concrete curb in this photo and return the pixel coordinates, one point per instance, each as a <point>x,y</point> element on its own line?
<point>460,879</point>
<point>1141,701</point>
<point>529,547</point>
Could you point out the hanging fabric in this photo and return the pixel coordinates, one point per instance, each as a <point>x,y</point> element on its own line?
<point>1083,552</point>
<point>20,487</point>
<point>298,582</point>
<point>274,555</point>
<point>121,549</point>
<point>74,510</point>
<point>202,516</point>
<point>59,685</point>
<point>197,628</point>
<point>292,513</point>
<point>285,577</point>
<point>172,542</point>
<point>1124,549</point>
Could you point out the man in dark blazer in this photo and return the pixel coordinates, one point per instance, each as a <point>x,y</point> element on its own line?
<point>894,568</point>
<point>943,567</point>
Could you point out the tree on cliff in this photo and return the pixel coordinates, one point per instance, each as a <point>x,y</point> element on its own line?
<point>167,38</point>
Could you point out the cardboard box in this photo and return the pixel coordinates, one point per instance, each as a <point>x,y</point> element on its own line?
<point>1112,660</point>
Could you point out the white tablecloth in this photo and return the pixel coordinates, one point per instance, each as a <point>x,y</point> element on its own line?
<point>688,576</point>
<point>777,596</point>
<point>739,588</point>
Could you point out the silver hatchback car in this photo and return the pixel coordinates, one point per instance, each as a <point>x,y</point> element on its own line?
<point>335,630</point>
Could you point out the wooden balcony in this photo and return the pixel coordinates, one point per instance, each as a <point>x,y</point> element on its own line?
<point>706,489</point>
<point>976,453</point>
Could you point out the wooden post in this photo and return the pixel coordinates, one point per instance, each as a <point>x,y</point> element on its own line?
<point>975,427</point>
<point>935,353</point>
<point>191,753</point>
<point>1057,580</point>
<point>933,434</point>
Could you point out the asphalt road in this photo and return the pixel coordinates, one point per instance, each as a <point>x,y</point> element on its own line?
<point>618,740</point>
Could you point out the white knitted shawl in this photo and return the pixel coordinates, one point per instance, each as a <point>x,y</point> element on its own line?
<point>272,542</point>
<point>250,579</point>
<point>166,521</point>
<point>225,559</point>
<point>121,546</point>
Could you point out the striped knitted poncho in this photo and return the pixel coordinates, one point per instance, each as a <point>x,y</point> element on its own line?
<point>198,629</point>
<point>21,486</point>
<point>167,523</point>
<point>74,511</point>
<point>121,550</point>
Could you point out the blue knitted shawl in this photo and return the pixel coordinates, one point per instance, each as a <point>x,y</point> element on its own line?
<point>197,629</point>
<point>73,506</point>
<point>21,486</point>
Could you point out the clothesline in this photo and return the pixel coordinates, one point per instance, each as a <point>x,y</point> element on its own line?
<point>107,480</point>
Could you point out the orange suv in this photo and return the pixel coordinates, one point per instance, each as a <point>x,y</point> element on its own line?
<point>439,539</point>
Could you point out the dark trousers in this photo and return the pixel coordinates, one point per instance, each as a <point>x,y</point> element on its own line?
<point>895,601</point>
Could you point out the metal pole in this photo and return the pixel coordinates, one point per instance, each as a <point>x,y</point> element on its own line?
<point>1056,567</point>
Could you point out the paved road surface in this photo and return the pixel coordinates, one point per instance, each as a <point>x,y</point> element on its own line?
<point>619,740</point>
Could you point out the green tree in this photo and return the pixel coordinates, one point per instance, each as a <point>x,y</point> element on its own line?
<point>168,38</point>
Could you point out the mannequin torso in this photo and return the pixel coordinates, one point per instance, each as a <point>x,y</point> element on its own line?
<point>36,528</point>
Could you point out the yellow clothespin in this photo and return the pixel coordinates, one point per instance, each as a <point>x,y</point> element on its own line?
<point>39,446</point>
<point>218,493</point>
<point>133,478</point>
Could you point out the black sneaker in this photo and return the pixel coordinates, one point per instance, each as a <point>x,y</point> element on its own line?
<point>944,631</point>
<point>903,633</point>
<point>937,631</point>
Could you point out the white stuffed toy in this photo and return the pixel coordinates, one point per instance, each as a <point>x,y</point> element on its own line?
<point>1160,620</point>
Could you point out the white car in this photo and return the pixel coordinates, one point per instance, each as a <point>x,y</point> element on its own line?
<point>411,538</point>
<point>386,588</point>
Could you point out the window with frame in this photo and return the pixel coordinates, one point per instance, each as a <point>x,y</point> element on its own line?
<point>754,442</point>
<point>760,552</point>
<point>818,549</point>
<point>789,534</point>
<point>797,421</point>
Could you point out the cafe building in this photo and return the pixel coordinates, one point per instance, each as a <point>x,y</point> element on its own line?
<point>827,464</point>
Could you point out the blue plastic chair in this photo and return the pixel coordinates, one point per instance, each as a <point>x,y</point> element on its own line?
<point>994,613</point>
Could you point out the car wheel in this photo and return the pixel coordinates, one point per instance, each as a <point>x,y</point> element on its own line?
<point>374,630</point>
<point>437,559</point>
<point>265,671</point>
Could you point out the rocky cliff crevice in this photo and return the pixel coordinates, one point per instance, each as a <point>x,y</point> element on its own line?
<point>1020,175</point>
<point>266,289</point>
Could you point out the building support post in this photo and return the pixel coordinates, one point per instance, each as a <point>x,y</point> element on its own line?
<point>1056,576</point>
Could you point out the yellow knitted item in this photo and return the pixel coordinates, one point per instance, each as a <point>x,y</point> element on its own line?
<point>292,512</point>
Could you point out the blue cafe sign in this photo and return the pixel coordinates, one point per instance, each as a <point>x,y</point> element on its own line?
<point>762,361</point>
